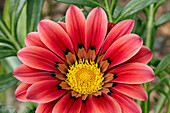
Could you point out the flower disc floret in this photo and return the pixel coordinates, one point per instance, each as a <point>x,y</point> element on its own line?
<point>85,77</point>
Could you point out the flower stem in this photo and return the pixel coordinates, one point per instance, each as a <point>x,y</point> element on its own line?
<point>149,28</point>
<point>149,43</point>
<point>108,11</point>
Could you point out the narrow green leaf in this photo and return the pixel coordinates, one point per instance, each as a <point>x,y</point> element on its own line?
<point>10,63</point>
<point>6,41</point>
<point>163,64</point>
<point>117,11</point>
<point>4,31</point>
<point>62,19</point>
<point>160,2</point>
<point>6,81</point>
<point>163,92</point>
<point>163,19</point>
<point>161,101</point>
<point>22,21</point>
<point>6,109</point>
<point>16,7</point>
<point>79,2</point>
<point>6,51</point>
<point>158,84</point>
<point>6,15</point>
<point>34,8</point>
<point>134,6</point>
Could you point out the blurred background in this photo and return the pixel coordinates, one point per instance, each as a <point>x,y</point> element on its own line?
<point>54,11</point>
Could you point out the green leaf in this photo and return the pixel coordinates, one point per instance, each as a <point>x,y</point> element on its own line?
<point>160,2</point>
<point>163,64</point>
<point>6,109</point>
<point>6,51</point>
<point>117,11</point>
<point>62,19</point>
<point>6,41</point>
<point>6,15</point>
<point>158,84</point>
<point>10,63</point>
<point>29,110</point>
<point>22,21</point>
<point>34,8</point>
<point>163,19</point>
<point>16,7</point>
<point>4,31</point>
<point>79,2</point>
<point>6,81</point>
<point>135,5</point>
<point>163,92</point>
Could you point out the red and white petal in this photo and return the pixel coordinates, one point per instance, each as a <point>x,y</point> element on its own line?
<point>135,91</point>
<point>120,29</point>
<point>88,106</point>
<point>29,75</point>
<point>44,91</point>
<point>127,104</point>
<point>133,73</point>
<point>75,25</point>
<point>33,39</point>
<point>20,92</point>
<point>61,104</point>
<point>55,37</point>
<point>143,56</point>
<point>96,29</point>
<point>123,49</point>
<point>63,25</point>
<point>39,58</point>
<point>46,107</point>
<point>99,106</point>
<point>110,104</point>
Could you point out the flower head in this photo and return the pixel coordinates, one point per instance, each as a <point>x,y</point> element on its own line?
<point>84,66</point>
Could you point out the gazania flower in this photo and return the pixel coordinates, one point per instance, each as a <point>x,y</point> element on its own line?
<point>84,66</point>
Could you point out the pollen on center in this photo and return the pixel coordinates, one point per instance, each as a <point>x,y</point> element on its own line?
<point>85,77</point>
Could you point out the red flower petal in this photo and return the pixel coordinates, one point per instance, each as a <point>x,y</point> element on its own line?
<point>99,106</point>
<point>123,49</point>
<point>76,107</point>
<point>126,103</point>
<point>33,39</point>
<point>75,25</point>
<point>96,28</point>
<point>110,104</point>
<point>29,75</point>
<point>44,91</point>
<point>120,29</point>
<point>20,92</point>
<point>135,91</point>
<point>51,33</point>
<point>69,104</point>
<point>46,107</point>
<point>61,104</point>
<point>39,58</point>
<point>63,25</point>
<point>140,73</point>
<point>143,56</point>
<point>88,106</point>
<point>110,26</point>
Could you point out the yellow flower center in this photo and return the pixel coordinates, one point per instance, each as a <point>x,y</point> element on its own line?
<point>85,77</point>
